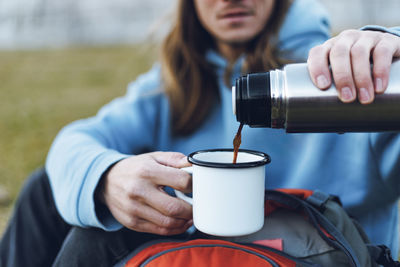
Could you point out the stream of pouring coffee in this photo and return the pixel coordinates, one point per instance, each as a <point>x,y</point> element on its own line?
<point>236,143</point>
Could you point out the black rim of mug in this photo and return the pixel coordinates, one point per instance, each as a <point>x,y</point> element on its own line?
<point>265,159</point>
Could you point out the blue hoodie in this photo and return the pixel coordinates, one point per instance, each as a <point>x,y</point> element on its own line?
<point>363,169</point>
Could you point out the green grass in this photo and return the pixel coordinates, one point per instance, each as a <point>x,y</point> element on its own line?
<point>41,91</point>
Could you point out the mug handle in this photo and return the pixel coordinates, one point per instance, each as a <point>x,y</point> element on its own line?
<point>181,195</point>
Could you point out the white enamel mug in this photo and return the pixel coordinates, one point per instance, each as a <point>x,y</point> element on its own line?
<point>228,199</point>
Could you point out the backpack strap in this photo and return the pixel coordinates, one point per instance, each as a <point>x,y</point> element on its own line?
<point>324,227</point>
<point>318,199</point>
<point>382,255</point>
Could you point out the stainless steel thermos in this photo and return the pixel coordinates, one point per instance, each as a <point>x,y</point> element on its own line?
<point>288,99</point>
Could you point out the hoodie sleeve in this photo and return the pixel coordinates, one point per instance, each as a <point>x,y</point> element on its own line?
<point>306,25</point>
<point>393,30</point>
<point>386,148</point>
<point>85,149</point>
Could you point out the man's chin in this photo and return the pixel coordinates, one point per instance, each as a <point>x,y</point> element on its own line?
<point>238,37</point>
<point>237,41</point>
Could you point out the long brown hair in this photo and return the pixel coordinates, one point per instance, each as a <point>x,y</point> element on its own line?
<point>190,81</point>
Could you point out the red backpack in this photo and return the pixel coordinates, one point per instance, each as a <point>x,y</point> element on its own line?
<point>302,228</point>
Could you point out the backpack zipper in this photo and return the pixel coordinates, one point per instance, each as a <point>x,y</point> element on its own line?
<point>155,256</point>
<point>302,263</point>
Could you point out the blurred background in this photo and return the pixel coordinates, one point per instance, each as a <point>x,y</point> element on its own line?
<point>43,23</point>
<point>62,60</point>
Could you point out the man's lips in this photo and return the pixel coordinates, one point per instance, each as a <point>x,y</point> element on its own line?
<point>235,13</point>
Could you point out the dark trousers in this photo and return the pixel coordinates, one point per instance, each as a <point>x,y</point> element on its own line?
<point>35,231</point>
<point>95,247</point>
<point>37,236</point>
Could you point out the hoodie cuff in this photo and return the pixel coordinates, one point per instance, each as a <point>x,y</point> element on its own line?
<point>393,30</point>
<point>91,211</point>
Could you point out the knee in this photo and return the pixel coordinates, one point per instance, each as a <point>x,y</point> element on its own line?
<point>36,186</point>
<point>86,247</point>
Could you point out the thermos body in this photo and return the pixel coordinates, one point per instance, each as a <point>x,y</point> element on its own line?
<point>288,99</point>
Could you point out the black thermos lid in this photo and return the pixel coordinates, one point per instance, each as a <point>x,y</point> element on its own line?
<point>253,100</point>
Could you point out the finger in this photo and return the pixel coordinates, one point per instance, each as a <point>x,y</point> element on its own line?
<point>139,217</point>
<point>149,227</point>
<point>382,59</point>
<point>126,207</point>
<point>318,65</point>
<point>139,210</point>
<point>167,176</point>
<point>339,58</point>
<point>141,225</point>
<point>171,159</point>
<point>360,61</point>
<point>168,205</point>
